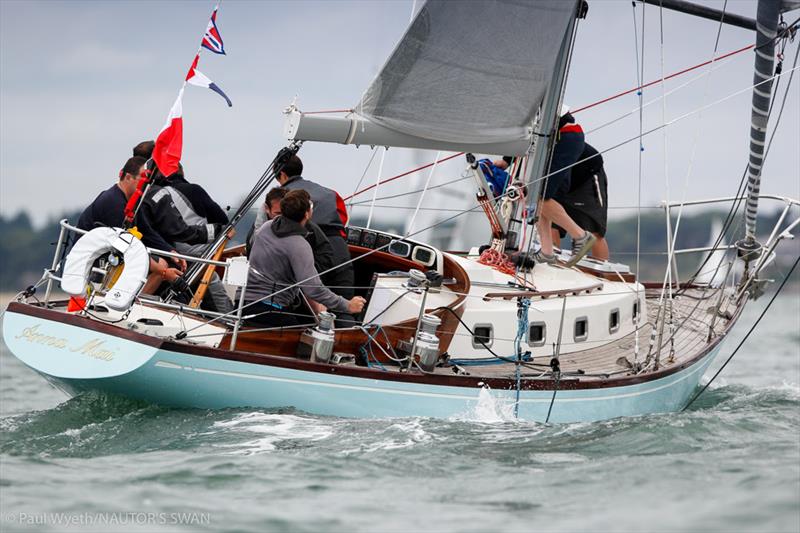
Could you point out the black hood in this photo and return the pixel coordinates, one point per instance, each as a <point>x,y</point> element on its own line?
<point>284,227</point>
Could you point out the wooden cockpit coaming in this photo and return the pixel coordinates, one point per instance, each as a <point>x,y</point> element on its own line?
<point>284,341</point>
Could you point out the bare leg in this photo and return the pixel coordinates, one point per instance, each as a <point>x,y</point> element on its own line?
<point>556,238</point>
<point>553,211</point>
<point>600,248</point>
<point>545,227</point>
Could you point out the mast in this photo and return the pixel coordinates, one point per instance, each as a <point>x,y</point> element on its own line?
<point>548,117</point>
<point>767,31</point>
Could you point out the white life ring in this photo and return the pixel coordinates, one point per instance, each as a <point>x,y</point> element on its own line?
<point>96,243</point>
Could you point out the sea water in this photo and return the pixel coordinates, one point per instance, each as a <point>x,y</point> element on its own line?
<point>100,463</point>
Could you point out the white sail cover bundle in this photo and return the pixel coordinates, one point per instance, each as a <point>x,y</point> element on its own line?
<point>470,71</point>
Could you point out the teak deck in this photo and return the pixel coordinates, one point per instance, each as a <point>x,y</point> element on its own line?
<point>692,316</point>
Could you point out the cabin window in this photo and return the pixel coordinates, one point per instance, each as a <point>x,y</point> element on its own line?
<point>537,332</point>
<point>482,335</point>
<point>581,329</point>
<point>613,321</point>
<point>636,309</point>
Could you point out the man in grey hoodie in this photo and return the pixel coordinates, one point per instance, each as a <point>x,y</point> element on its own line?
<point>282,265</point>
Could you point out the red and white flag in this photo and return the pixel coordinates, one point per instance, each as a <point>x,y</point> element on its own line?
<point>169,143</point>
<point>197,78</point>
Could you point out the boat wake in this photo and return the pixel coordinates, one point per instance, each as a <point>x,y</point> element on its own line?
<point>96,424</point>
<point>273,431</point>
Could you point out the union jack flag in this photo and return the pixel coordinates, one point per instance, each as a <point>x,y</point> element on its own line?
<point>212,39</point>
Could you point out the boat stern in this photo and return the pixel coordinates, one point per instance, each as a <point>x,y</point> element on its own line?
<point>54,344</point>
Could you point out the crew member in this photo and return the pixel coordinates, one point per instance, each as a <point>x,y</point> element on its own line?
<point>282,265</point>
<point>108,210</point>
<point>320,245</point>
<point>587,200</point>
<point>144,149</point>
<point>160,209</point>
<point>198,209</point>
<point>330,214</point>
<point>496,174</point>
<point>566,152</point>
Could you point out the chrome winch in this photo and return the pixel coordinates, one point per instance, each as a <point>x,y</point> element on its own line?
<point>316,344</point>
<point>424,348</point>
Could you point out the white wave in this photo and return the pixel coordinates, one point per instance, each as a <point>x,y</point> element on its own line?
<point>489,409</point>
<point>554,458</point>
<point>412,434</point>
<point>271,429</point>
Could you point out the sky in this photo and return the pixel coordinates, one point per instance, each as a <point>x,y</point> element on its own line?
<point>82,82</point>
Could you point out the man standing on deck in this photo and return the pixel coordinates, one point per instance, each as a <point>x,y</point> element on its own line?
<point>330,214</point>
<point>566,153</point>
<point>587,200</point>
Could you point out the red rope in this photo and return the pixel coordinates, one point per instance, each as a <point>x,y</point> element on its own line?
<point>497,261</point>
<point>684,71</point>
<point>423,167</point>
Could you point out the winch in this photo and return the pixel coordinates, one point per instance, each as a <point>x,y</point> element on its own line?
<point>426,348</point>
<point>316,344</point>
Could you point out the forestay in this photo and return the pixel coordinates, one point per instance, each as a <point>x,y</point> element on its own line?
<point>470,72</point>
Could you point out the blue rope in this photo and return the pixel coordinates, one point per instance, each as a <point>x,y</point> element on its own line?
<point>522,329</point>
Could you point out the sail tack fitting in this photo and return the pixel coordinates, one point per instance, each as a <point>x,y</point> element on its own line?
<point>767,32</point>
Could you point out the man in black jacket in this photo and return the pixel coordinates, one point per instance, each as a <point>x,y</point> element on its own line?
<point>160,206</point>
<point>587,200</point>
<point>108,210</point>
<point>160,209</point>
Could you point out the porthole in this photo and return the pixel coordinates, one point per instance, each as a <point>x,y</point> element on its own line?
<point>636,309</point>
<point>482,335</point>
<point>537,333</point>
<point>613,321</point>
<point>581,329</point>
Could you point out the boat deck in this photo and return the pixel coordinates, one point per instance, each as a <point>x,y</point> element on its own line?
<point>692,315</point>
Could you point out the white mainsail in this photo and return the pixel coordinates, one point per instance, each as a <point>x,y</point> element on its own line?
<point>466,76</point>
<point>470,72</point>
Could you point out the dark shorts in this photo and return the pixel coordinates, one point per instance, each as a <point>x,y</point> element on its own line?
<point>584,221</point>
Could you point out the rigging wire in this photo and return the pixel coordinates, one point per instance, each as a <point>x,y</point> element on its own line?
<point>670,255</point>
<point>377,182</point>
<point>363,175</point>
<point>448,219</point>
<point>423,167</point>
<point>363,203</point>
<point>662,80</point>
<point>640,77</point>
<point>695,142</point>
<point>735,206</point>
<point>752,328</point>
<point>424,189</point>
<point>739,194</point>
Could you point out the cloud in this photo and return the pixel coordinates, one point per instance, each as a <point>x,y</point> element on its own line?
<point>98,57</point>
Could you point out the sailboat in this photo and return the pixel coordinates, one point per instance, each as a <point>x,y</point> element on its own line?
<point>440,330</point>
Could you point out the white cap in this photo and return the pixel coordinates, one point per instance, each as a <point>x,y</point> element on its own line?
<point>564,110</point>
